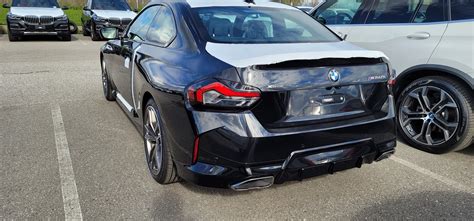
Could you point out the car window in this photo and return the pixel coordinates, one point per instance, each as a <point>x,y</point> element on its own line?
<point>163,28</point>
<point>139,28</point>
<point>35,3</point>
<point>462,9</point>
<point>337,12</point>
<point>393,11</point>
<point>120,5</point>
<point>260,25</point>
<point>431,11</point>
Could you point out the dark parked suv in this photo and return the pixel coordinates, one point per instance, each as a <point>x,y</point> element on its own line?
<point>245,95</point>
<point>98,14</point>
<point>32,17</point>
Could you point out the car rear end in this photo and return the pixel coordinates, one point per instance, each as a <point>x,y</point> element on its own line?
<point>299,108</point>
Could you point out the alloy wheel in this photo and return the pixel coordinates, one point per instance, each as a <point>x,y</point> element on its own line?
<point>153,140</point>
<point>429,115</point>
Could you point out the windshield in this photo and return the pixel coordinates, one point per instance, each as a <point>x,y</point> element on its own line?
<point>260,25</point>
<point>36,3</point>
<point>120,5</point>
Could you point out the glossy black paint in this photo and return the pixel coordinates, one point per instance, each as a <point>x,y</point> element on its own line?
<point>231,141</point>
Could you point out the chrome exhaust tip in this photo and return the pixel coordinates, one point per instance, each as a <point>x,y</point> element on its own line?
<point>254,184</point>
<point>385,155</point>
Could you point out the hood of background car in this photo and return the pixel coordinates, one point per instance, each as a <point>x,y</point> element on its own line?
<point>245,55</point>
<point>114,14</point>
<point>23,11</point>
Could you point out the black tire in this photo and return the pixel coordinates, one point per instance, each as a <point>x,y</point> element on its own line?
<point>84,29</point>
<point>12,37</point>
<point>106,85</point>
<point>94,35</point>
<point>164,170</point>
<point>450,107</point>
<point>73,27</point>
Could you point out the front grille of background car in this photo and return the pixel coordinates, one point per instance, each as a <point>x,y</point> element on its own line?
<point>46,20</point>
<point>115,21</point>
<point>31,19</point>
<point>120,22</point>
<point>35,20</point>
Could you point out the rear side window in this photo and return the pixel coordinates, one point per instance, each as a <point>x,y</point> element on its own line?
<point>337,12</point>
<point>260,25</point>
<point>462,9</point>
<point>393,11</point>
<point>139,28</point>
<point>163,28</point>
<point>431,11</point>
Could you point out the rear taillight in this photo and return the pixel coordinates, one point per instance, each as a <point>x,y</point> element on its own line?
<point>225,95</point>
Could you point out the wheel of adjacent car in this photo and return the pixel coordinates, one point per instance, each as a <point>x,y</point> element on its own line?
<point>157,152</point>
<point>106,85</point>
<point>73,27</point>
<point>84,29</point>
<point>436,114</point>
<point>11,37</point>
<point>94,35</point>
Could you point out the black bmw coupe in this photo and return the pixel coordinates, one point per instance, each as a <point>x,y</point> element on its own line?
<point>244,94</point>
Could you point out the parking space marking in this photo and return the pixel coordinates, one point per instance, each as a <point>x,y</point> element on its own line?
<point>435,176</point>
<point>72,207</point>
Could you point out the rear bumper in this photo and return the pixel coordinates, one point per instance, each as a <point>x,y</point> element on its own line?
<point>226,158</point>
<point>20,28</point>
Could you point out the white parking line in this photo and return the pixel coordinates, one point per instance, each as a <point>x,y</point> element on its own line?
<point>72,208</point>
<point>435,176</point>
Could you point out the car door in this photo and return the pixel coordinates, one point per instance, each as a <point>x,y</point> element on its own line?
<point>407,31</point>
<point>456,49</point>
<point>134,37</point>
<point>341,15</point>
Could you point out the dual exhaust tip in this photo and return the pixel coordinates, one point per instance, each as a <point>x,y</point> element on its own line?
<point>254,184</point>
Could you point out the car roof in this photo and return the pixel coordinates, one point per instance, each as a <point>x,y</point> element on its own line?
<point>227,3</point>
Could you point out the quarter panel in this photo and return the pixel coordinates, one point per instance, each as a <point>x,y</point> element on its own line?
<point>456,48</point>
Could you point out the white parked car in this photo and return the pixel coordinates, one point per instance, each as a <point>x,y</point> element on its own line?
<point>431,46</point>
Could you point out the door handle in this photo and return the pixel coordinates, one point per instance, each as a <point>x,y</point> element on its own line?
<point>419,36</point>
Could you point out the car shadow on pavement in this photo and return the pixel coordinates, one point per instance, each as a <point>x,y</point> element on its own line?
<point>468,151</point>
<point>169,206</point>
<point>437,205</point>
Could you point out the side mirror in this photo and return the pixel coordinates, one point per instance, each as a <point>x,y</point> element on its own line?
<point>109,33</point>
<point>85,8</point>
<point>6,5</point>
<point>65,8</point>
<point>135,10</point>
<point>321,20</point>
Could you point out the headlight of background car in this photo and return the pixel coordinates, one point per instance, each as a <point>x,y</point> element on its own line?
<point>61,18</point>
<point>97,18</point>
<point>14,17</point>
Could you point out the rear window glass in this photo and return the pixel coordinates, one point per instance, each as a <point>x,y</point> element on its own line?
<point>260,25</point>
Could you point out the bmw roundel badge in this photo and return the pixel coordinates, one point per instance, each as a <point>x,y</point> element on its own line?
<point>334,75</point>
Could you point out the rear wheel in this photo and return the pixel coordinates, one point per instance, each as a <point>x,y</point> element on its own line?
<point>157,152</point>
<point>435,114</point>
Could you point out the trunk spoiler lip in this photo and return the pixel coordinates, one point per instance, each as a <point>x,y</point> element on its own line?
<point>246,55</point>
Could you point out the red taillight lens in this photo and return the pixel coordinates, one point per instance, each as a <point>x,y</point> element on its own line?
<point>218,94</point>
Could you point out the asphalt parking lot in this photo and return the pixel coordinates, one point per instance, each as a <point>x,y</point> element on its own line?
<point>67,152</point>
